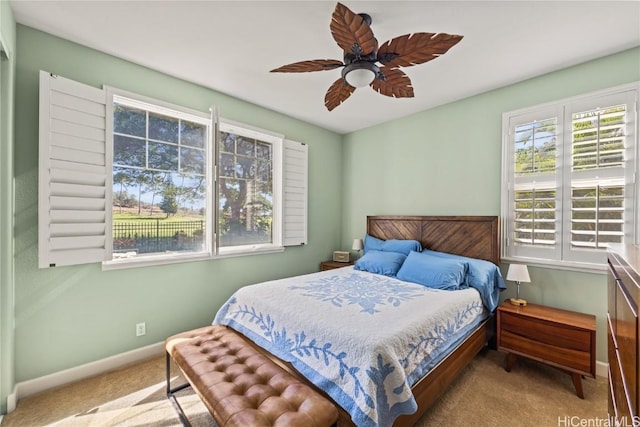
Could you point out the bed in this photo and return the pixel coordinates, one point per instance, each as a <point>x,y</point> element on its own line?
<point>377,384</point>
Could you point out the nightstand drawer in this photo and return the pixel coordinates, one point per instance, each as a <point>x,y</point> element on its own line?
<point>544,332</point>
<point>573,360</point>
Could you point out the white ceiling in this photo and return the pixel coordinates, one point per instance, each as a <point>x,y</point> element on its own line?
<point>230,46</point>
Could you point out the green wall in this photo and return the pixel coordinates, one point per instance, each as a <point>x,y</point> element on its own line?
<point>7,79</point>
<point>447,161</point>
<point>67,316</point>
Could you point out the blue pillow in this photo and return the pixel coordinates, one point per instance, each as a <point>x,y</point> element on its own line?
<point>392,245</point>
<point>433,271</point>
<point>482,275</point>
<point>379,262</point>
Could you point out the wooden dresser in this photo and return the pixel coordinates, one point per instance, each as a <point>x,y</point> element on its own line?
<point>623,299</point>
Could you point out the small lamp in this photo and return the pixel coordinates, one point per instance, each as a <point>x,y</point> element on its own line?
<point>518,273</point>
<point>357,246</point>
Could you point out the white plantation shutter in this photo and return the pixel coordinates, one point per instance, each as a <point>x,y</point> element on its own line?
<point>74,222</point>
<point>570,172</point>
<point>534,220</point>
<point>602,174</point>
<point>295,193</point>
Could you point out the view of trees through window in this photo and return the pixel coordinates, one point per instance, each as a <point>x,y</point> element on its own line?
<point>536,147</point>
<point>597,208</point>
<point>159,182</point>
<point>535,203</point>
<point>246,191</point>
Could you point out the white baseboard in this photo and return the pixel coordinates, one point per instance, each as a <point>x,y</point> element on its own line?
<point>12,400</point>
<point>56,379</point>
<point>602,369</point>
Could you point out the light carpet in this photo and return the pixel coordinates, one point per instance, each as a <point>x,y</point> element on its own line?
<point>484,395</point>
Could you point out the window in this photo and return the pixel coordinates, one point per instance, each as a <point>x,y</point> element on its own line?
<point>569,179</point>
<point>249,181</point>
<point>134,181</point>
<point>160,179</point>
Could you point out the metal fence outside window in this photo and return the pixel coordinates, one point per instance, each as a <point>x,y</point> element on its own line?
<point>158,236</point>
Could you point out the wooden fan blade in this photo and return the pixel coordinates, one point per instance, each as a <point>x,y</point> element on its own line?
<point>339,91</point>
<point>306,66</point>
<point>351,32</point>
<point>395,83</point>
<point>413,49</point>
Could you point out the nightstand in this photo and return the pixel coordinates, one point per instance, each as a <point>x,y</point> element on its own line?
<point>330,265</point>
<point>561,338</point>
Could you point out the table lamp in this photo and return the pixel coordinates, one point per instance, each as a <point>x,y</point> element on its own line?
<point>518,273</point>
<point>357,246</point>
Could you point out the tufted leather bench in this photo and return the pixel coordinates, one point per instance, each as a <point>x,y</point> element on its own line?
<point>239,386</point>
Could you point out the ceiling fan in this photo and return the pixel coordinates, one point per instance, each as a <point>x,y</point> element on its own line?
<point>367,64</point>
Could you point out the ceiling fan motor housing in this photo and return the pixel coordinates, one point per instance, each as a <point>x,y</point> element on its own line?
<point>366,17</point>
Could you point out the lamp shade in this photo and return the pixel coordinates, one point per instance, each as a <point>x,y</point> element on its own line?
<point>360,73</point>
<point>357,245</point>
<point>518,273</point>
<point>360,77</point>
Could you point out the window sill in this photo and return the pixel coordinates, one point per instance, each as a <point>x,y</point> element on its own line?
<point>174,259</point>
<point>555,265</point>
<point>154,260</point>
<point>229,253</point>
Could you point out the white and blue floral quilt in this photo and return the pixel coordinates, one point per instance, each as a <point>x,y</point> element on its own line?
<point>363,338</point>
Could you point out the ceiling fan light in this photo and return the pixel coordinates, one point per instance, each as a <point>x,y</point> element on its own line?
<point>360,77</point>
<point>360,74</point>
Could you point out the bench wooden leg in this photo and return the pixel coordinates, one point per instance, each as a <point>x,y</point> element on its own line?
<point>171,396</point>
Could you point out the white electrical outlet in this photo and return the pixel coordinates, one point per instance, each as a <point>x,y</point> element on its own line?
<point>141,329</point>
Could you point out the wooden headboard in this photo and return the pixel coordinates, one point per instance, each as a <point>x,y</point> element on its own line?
<point>471,236</point>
